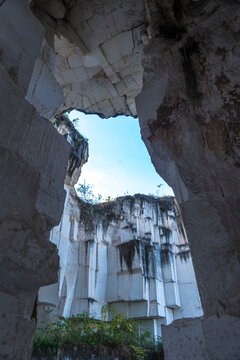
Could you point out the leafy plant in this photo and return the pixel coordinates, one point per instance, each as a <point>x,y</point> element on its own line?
<point>85,192</point>
<point>81,329</point>
<point>140,352</point>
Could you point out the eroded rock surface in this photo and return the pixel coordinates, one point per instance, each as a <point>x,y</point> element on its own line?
<point>79,148</point>
<point>99,49</point>
<point>188,129</point>
<point>188,110</point>
<point>33,159</point>
<point>186,55</point>
<point>131,254</point>
<point>189,119</point>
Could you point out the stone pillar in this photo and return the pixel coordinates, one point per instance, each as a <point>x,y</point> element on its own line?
<point>189,117</point>
<point>33,160</point>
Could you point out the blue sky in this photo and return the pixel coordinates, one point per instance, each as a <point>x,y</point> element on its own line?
<point>118,159</point>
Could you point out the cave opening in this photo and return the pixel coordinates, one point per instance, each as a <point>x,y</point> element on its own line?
<point>118,162</point>
<point>180,62</point>
<point>121,251</point>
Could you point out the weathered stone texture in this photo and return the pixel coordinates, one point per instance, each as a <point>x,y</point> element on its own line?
<point>188,55</point>
<point>79,148</point>
<point>202,339</point>
<point>99,47</point>
<point>32,160</point>
<point>44,92</point>
<point>16,326</point>
<point>187,132</point>
<point>191,67</point>
<point>131,254</point>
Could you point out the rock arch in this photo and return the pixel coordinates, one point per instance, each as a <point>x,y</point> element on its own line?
<point>180,59</point>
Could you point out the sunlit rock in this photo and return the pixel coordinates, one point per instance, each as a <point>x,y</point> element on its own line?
<point>79,148</point>
<point>182,60</point>
<point>131,253</point>
<point>99,51</point>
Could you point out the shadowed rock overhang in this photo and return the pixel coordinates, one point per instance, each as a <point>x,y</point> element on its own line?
<point>99,47</point>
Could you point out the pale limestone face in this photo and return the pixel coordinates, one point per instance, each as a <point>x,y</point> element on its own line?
<point>127,254</point>
<point>189,118</point>
<point>100,71</point>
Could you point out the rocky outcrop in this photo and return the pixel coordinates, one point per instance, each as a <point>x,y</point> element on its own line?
<point>196,338</point>
<point>186,55</point>
<point>33,159</point>
<point>79,148</point>
<point>99,48</point>
<point>131,253</point>
<point>191,129</point>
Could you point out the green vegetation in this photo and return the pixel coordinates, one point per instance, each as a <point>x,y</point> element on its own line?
<point>85,192</point>
<point>81,329</point>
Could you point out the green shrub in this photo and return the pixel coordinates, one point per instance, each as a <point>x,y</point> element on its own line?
<point>82,329</point>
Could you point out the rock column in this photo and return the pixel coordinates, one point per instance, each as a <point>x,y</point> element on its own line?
<point>189,118</point>
<point>33,161</point>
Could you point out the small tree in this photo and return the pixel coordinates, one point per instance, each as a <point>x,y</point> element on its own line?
<point>85,192</point>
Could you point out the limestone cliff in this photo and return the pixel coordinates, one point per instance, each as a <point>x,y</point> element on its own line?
<point>79,148</point>
<point>182,58</point>
<point>131,253</point>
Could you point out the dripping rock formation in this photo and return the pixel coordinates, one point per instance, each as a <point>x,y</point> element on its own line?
<point>131,253</point>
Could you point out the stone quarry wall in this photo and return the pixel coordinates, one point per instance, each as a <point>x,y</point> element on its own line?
<point>131,254</point>
<point>79,151</point>
<point>191,129</point>
<point>99,48</point>
<point>33,161</point>
<point>182,58</point>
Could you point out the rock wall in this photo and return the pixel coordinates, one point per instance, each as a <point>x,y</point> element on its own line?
<point>33,160</point>
<point>185,53</point>
<point>99,49</point>
<point>78,148</point>
<point>131,254</point>
<point>188,111</point>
